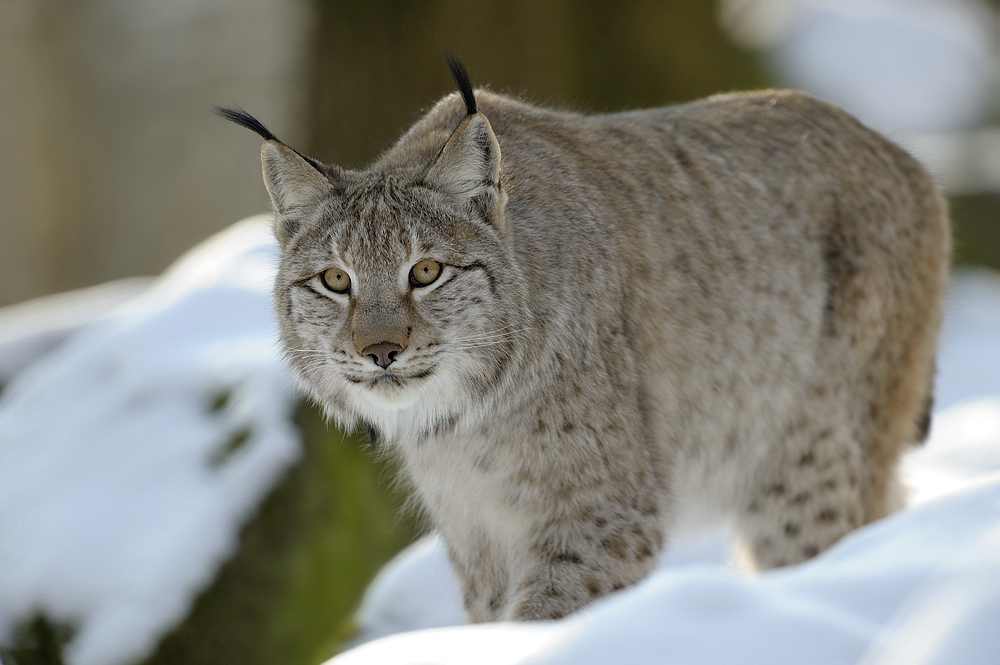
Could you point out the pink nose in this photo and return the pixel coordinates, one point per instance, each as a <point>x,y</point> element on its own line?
<point>382,354</point>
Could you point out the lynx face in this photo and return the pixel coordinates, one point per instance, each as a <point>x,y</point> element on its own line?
<point>395,301</point>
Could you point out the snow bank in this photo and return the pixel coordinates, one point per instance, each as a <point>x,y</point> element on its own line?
<point>921,587</point>
<point>30,330</point>
<point>131,456</point>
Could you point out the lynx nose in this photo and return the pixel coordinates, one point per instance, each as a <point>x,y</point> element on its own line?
<point>382,354</point>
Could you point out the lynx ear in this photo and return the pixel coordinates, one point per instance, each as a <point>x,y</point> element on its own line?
<point>468,168</point>
<point>294,185</point>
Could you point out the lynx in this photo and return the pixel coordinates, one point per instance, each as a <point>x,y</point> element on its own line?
<point>581,333</point>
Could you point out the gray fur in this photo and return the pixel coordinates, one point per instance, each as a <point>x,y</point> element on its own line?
<point>722,310</point>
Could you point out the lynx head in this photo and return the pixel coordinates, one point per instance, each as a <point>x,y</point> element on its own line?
<point>397,299</point>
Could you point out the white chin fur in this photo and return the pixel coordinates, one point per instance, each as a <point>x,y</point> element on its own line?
<point>408,410</point>
<point>387,399</point>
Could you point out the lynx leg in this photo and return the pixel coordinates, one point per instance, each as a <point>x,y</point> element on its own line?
<point>804,505</point>
<point>579,560</point>
<point>569,561</point>
<point>591,509</point>
<point>898,416</point>
<point>574,513</point>
<point>874,376</point>
<point>840,468</point>
<point>482,577</point>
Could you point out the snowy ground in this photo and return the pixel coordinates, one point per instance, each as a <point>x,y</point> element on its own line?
<point>131,455</point>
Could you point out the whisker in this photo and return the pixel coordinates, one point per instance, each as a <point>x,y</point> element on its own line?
<point>500,334</point>
<point>477,345</point>
<point>306,352</point>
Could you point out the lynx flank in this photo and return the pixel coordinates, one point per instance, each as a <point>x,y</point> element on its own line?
<point>581,333</point>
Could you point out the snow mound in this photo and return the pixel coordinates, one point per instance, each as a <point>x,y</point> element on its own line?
<point>131,455</point>
<point>921,587</point>
<point>30,330</point>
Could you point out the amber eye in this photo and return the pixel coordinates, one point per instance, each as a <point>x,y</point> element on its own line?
<point>336,280</point>
<point>425,272</point>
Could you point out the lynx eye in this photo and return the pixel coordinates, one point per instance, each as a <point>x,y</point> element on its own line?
<point>425,272</point>
<point>336,280</point>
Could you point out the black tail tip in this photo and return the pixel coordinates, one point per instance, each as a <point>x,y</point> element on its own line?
<point>244,119</point>
<point>461,77</point>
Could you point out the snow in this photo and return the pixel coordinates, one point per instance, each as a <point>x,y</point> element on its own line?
<point>119,497</point>
<point>30,330</point>
<point>921,71</point>
<point>921,587</point>
<point>969,355</point>
<point>119,500</point>
<point>902,66</point>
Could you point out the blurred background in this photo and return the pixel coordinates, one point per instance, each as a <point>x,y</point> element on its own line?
<point>111,164</point>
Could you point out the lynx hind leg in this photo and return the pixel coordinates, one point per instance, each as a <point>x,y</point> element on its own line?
<point>836,467</point>
<point>806,501</point>
<point>886,278</point>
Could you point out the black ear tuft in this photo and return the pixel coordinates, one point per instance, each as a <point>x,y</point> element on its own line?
<point>462,81</point>
<point>244,119</point>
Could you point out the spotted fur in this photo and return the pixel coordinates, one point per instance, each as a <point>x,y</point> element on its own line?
<point>646,320</point>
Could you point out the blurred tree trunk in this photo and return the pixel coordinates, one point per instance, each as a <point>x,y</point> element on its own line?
<point>49,174</point>
<point>376,65</point>
<point>111,164</point>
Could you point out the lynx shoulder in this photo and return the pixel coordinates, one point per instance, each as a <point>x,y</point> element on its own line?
<point>582,334</point>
